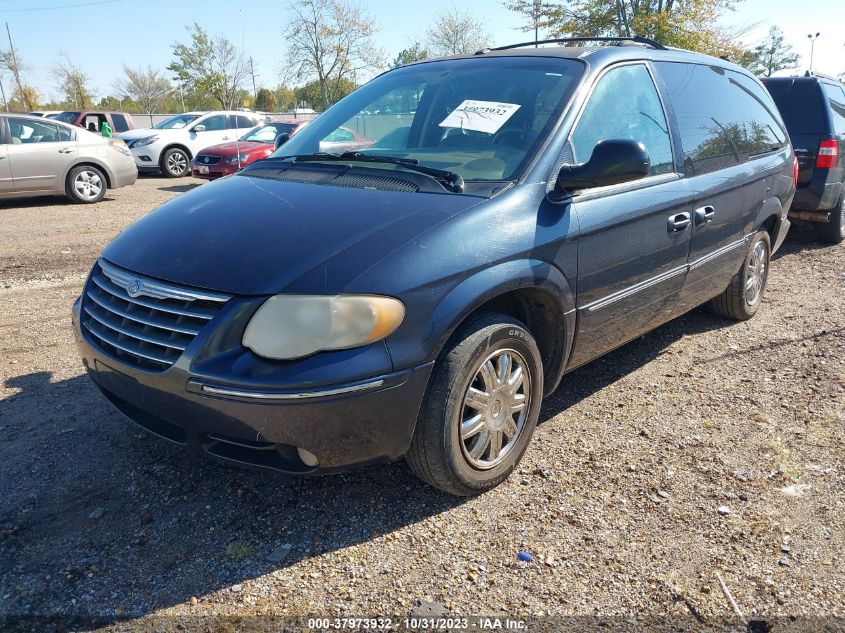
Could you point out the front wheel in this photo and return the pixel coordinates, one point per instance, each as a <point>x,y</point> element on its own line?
<point>85,184</point>
<point>175,163</point>
<point>481,409</point>
<point>833,231</point>
<point>742,298</point>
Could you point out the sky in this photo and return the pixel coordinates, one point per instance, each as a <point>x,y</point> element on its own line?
<point>102,35</point>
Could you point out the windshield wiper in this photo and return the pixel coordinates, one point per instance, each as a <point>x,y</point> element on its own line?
<point>451,179</point>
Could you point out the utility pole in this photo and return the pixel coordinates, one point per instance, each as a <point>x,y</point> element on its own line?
<point>252,72</point>
<point>536,16</point>
<point>24,98</point>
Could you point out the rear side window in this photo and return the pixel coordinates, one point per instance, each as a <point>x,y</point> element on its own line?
<point>625,105</point>
<point>120,124</point>
<point>724,117</point>
<point>800,104</point>
<point>836,97</point>
<point>243,122</point>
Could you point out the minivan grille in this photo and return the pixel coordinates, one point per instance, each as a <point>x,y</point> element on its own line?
<point>144,322</point>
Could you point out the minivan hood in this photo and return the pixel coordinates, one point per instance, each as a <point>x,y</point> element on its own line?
<point>254,236</point>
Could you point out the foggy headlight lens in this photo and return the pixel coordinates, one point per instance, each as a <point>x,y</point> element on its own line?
<point>293,326</point>
<point>243,158</point>
<point>148,140</point>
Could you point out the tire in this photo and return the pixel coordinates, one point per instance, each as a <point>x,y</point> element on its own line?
<point>833,232</point>
<point>175,163</point>
<point>742,298</point>
<point>458,463</point>
<point>86,184</point>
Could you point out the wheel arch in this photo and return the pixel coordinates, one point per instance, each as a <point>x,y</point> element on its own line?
<point>532,291</point>
<point>175,145</point>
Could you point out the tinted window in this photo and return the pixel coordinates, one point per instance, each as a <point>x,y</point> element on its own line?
<point>724,117</point>
<point>65,117</point>
<point>268,133</point>
<point>244,122</point>
<point>800,104</point>
<point>625,105</point>
<point>176,122</point>
<point>836,97</point>
<point>215,123</point>
<point>120,124</point>
<point>24,131</point>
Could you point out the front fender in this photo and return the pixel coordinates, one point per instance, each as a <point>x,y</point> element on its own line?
<point>426,343</point>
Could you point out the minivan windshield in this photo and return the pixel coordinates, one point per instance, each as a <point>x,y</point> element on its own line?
<point>176,122</point>
<point>482,118</point>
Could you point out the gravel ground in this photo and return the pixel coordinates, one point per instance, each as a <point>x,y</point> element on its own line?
<point>706,447</point>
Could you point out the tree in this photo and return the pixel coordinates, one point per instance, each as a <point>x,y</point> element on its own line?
<point>773,54</point>
<point>311,94</point>
<point>212,66</point>
<point>25,100</point>
<point>10,61</point>
<point>73,82</point>
<point>455,33</point>
<point>531,9</point>
<point>146,87</point>
<point>691,24</point>
<point>265,100</point>
<point>331,42</point>
<point>414,53</point>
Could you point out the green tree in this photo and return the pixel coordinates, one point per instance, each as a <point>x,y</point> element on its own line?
<point>24,96</point>
<point>311,94</point>
<point>25,100</point>
<point>74,82</point>
<point>453,32</point>
<point>147,87</point>
<point>331,42</point>
<point>414,53</point>
<point>285,98</point>
<point>532,10</point>
<point>692,24</point>
<point>773,54</point>
<point>210,65</point>
<point>265,100</point>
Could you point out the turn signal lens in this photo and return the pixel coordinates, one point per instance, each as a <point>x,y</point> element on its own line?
<point>828,154</point>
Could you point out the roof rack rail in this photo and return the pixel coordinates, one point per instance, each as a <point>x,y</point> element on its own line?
<point>813,73</point>
<point>564,40</point>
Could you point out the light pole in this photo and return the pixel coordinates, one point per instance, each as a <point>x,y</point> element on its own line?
<point>812,39</point>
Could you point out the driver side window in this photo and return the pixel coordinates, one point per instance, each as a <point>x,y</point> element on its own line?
<point>215,123</point>
<point>625,105</point>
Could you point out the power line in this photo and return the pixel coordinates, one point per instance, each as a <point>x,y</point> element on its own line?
<point>61,6</point>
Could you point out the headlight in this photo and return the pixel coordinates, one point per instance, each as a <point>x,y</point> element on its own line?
<point>120,146</point>
<point>293,326</point>
<point>147,140</point>
<point>243,158</point>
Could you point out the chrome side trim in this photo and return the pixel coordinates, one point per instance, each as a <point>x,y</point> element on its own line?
<point>627,292</point>
<point>718,252</point>
<point>141,285</point>
<point>269,395</point>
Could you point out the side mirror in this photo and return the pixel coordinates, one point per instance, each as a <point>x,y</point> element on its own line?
<point>613,162</point>
<point>199,128</point>
<point>281,139</point>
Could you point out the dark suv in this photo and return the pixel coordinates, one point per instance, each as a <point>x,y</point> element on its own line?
<point>813,108</point>
<point>518,213</point>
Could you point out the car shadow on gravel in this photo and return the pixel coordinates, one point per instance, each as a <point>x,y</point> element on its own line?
<point>801,237</point>
<point>46,201</point>
<point>181,188</point>
<point>102,520</point>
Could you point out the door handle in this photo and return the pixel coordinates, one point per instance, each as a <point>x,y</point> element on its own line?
<point>703,215</point>
<point>65,150</point>
<point>679,222</point>
<point>225,138</point>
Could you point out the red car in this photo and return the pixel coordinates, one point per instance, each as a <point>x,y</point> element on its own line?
<point>222,160</point>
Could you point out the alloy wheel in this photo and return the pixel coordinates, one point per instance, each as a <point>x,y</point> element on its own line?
<point>88,185</point>
<point>755,276</point>
<point>495,409</point>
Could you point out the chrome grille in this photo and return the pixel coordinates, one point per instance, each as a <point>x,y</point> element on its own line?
<point>143,321</point>
<point>207,159</point>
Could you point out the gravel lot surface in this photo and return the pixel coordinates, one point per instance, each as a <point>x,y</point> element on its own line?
<point>706,447</point>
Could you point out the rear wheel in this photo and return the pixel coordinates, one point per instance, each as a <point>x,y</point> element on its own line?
<point>481,409</point>
<point>833,232</point>
<point>742,298</point>
<point>85,184</point>
<point>175,163</point>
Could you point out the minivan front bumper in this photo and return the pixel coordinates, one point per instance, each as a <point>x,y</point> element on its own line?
<point>343,425</point>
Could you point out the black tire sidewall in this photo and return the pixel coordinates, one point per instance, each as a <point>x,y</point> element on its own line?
<point>71,190</point>
<point>507,335</point>
<point>167,155</point>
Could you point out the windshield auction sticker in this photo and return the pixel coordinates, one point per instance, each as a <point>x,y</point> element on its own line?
<point>480,116</point>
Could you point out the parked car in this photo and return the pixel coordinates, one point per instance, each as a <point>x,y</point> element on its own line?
<point>222,160</point>
<point>170,146</point>
<point>41,157</point>
<point>344,139</point>
<point>92,120</point>
<point>419,298</point>
<point>813,108</point>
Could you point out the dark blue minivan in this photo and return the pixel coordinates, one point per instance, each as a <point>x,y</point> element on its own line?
<point>412,272</point>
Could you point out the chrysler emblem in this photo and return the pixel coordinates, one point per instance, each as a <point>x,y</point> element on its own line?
<point>134,288</point>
